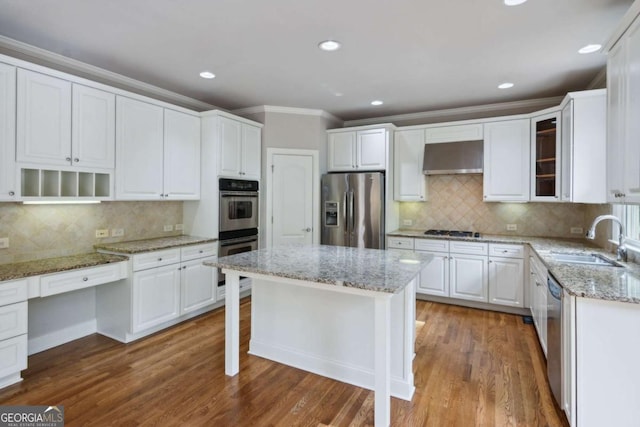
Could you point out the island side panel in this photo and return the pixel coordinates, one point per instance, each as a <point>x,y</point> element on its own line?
<point>232,323</point>
<point>330,331</point>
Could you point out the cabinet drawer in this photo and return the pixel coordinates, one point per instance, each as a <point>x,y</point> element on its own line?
<point>13,291</point>
<point>82,278</point>
<point>434,245</point>
<point>471,248</point>
<point>400,243</point>
<point>156,259</point>
<point>13,355</point>
<point>507,251</point>
<point>198,251</point>
<point>13,320</point>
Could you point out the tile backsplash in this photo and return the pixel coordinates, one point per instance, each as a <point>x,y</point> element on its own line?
<point>456,203</point>
<point>46,231</point>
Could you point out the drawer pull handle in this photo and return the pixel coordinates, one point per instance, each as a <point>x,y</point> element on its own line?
<point>201,251</point>
<point>159,259</point>
<point>84,279</point>
<point>505,251</point>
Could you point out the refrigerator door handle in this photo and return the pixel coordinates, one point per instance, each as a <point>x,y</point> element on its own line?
<point>352,224</point>
<point>346,213</point>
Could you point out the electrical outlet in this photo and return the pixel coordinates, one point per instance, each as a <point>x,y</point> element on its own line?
<point>407,222</point>
<point>512,227</point>
<point>4,243</point>
<point>179,227</point>
<point>103,232</point>
<point>168,227</point>
<point>577,230</point>
<point>117,232</point>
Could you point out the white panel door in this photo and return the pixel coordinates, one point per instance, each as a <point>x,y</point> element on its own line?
<point>198,285</point>
<point>230,147</point>
<point>93,128</point>
<point>8,188</point>
<point>139,150</point>
<point>469,277</point>
<point>506,161</point>
<point>632,137</point>
<point>43,119</point>
<point>506,281</point>
<point>434,278</point>
<point>181,156</point>
<point>342,151</point>
<point>616,98</point>
<point>371,149</point>
<point>410,184</point>
<point>156,296</point>
<point>251,152</point>
<point>292,199</point>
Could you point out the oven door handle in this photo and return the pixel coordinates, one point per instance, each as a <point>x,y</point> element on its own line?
<point>239,194</point>
<point>238,241</point>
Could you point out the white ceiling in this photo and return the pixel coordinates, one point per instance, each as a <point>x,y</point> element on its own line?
<point>415,55</point>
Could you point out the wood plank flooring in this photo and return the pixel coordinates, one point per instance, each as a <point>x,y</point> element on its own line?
<point>472,368</point>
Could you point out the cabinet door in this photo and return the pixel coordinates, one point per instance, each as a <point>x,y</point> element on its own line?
<point>542,315</point>
<point>371,149</point>
<point>139,150</point>
<point>632,138</point>
<point>506,161</point>
<point>181,156</point>
<point>469,277</point>
<point>546,157</point>
<point>410,184</point>
<point>342,151</point>
<point>434,278</point>
<point>156,296</point>
<point>506,281</point>
<point>94,128</point>
<point>43,119</point>
<point>198,285</point>
<point>567,149</point>
<point>230,147</point>
<point>251,152</point>
<point>8,188</point>
<point>569,357</point>
<point>616,99</point>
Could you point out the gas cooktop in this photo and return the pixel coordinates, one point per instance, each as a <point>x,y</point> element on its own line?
<point>452,233</point>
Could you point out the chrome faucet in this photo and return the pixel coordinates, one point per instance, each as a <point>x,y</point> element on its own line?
<point>622,250</point>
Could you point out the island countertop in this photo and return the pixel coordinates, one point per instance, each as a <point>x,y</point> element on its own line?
<point>370,269</point>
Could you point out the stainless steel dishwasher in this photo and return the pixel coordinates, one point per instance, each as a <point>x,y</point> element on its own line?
<point>554,337</point>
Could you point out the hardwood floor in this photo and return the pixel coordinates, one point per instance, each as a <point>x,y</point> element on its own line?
<point>472,368</point>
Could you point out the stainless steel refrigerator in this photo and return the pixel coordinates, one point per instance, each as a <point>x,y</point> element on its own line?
<point>353,210</point>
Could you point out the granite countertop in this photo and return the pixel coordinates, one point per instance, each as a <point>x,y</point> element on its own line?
<point>371,269</point>
<point>588,281</point>
<point>148,245</point>
<point>21,270</point>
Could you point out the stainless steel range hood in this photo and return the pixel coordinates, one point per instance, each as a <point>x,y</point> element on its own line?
<point>453,158</point>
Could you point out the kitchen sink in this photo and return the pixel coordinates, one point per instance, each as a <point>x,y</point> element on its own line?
<point>587,259</point>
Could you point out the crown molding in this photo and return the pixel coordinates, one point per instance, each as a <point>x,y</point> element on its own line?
<point>44,57</point>
<point>287,110</point>
<point>532,104</point>
<point>600,80</point>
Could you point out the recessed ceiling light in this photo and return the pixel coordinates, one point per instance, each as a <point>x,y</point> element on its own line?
<point>590,48</point>
<point>207,75</point>
<point>513,2</point>
<point>505,85</point>
<point>377,102</point>
<point>329,45</point>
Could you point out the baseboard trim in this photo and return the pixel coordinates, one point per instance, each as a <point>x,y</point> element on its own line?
<point>62,336</point>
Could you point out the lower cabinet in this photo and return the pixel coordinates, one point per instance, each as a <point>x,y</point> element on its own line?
<point>156,296</point>
<point>538,299</point>
<point>13,331</point>
<point>469,278</point>
<point>196,289</point>
<point>506,281</point>
<point>434,279</point>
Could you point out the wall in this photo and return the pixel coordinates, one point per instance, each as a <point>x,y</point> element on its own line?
<point>456,203</point>
<point>46,231</point>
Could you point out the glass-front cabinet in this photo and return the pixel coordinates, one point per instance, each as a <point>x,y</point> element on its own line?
<point>545,157</point>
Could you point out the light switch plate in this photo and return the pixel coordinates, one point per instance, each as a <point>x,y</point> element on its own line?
<point>179,227</point>
<point>512,227</point>
<point>103,232</point>
<point>168,227</point>
<point>117,232</point>
<point>407,222</point>
<point>4,243</point>
<point>577,230</point>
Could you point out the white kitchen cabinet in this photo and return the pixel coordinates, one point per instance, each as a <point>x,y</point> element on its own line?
<point>469,277</point>
<point>240,149</point>
<point>410,184</point>
<point>400,243</point>
<point>93,128</point>
<point>43,119</point>
<point>358,150</point>
<point>156,297</point>
<point>199,284</point>
<point>538,298</point>
<point>181,170</point>
<point>506,281</point>
<point>546,156</point>
<point>616,109</point>
<point>139,150</point>
<point>584,140</point>
<point>8,185</point>
<point>434,278</point>
<point>13,331</point>
<point>568,320</point>
<point>507,155</point>
<point>454,133</point>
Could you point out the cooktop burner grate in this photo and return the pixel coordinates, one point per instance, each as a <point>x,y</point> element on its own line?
<point>451,233</point>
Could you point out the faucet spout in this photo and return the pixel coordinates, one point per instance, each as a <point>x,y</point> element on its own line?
<point>622,250</point>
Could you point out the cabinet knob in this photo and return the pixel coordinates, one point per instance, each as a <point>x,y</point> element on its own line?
<point>84,279</point>
<point>76,160</point>
<point>12,193</point>
<point>505,251</point>
<point>159,259</point>
<point>200,251</point>
<point>68,159</point>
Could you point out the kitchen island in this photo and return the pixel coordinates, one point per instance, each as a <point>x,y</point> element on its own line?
<point>344,313</point>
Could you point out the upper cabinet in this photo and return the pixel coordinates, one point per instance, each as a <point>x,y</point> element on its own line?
<point>507,155</point>
<point>8,187</point>
<point>454,133</point>
<point>239,149</point>
<point>410,184</point>
<point>358,150</point>
<point>623,126</point>
<point>181,156</point>
<point>584,146</point>
<point>545,157</point>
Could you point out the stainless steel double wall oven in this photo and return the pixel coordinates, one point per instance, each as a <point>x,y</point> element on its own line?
<point>238,218</point>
